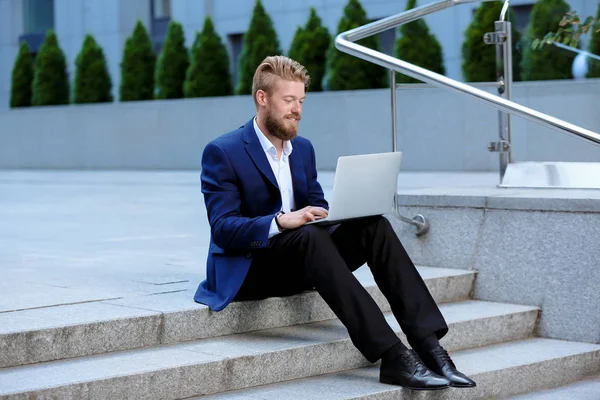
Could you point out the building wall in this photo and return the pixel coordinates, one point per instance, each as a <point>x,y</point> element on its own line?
<point>438,130</point>
<point>112,21</point>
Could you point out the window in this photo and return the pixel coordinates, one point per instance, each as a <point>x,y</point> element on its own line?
<point>161,9</point>
<point>38,18</point>
<point>236,41</point>
<point>160,16</point>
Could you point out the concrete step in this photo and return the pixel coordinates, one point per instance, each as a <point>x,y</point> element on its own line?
<point>500,370</point>
<point>76,330</point>
<point>244,360</point>
<point>586,389</point>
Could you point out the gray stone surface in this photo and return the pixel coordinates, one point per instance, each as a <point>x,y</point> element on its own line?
<point>443,197</point>
<point>242,360</point>
<point>528,247</point>
<point>189,321</point>
<point>76,330</point>
<point>492,197</point>
<point>499,370</point>
<point>60,332</point>
<point>583,201</point>
<point>452,239</point>
<point>549,260</point>
<point>586,389</point>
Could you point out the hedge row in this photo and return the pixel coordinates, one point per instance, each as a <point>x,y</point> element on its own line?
<point>204,69</point>
<point>45,81</point>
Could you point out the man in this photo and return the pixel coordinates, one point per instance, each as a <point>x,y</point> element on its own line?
<point>260,188</point>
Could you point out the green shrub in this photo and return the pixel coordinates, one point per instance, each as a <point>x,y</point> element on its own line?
<point>172,64</point>
<point>296,47</point>
<point>309,48</point>
<point>418,46</point>
<point>347,72</point>
<point>22,78</point>
<point>260,41</point>
<point>51,79</point>
<point>92,79</point>
<point>137,67</point>
<point>594,48</point>
<point>208,74</point>
<point>479,59</point>
<point>548,62</point>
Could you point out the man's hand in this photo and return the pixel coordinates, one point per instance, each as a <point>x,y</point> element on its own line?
<point>300,217</point>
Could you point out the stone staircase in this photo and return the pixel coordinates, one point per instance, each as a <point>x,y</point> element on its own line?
<point>167,347</point>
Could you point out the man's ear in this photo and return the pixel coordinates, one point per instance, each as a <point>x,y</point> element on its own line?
<point>261,97</point>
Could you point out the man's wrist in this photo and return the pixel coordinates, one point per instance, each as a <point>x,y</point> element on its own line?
<point>281,228</point>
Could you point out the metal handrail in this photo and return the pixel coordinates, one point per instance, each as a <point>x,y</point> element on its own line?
<point>504,10</point>
<point>407,86</point>
<point>575,50</point>
<point>345,42</point>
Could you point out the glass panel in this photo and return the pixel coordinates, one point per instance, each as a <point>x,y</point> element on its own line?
<point>38,16</point>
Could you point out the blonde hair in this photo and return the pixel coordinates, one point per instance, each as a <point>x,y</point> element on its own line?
<point>278,66</point>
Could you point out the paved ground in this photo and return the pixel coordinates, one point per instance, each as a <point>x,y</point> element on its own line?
<point>69,237</point>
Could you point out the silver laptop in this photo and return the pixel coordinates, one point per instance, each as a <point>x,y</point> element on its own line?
<point>363,186</point>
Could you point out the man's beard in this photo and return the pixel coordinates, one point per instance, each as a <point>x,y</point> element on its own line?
<point>279,129</point>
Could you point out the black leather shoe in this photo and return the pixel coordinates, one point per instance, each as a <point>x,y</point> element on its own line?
<point>440,362</point>
<point>408,370</point>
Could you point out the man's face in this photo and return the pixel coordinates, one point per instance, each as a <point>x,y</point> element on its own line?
<point>284,108</point>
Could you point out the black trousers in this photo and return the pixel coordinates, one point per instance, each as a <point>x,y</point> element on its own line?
<point>314,257</point>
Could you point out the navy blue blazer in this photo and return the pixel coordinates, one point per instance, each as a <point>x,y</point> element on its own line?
<point>242,197</point>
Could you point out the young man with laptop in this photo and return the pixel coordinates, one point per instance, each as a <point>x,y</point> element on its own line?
<point>273,234</point>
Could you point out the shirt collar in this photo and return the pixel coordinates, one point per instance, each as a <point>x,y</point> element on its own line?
<point>266,144</point>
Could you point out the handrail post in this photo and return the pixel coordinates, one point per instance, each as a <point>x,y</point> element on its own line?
<point>505,79</point>
<point>394,131</point>
<point>419,221</point>
<point>502,38</point>
<point>393,88</point>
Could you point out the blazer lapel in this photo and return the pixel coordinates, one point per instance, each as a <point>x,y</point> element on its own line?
<point>298,179</point>
<point>257,154</point>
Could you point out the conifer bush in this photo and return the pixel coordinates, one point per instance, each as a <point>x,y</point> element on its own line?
<point>260,41</point>
<point>548,62</point>
<point>51,79</point>
<point>594,48</point>
<point>208,73</point>
<point>309,48</point>
<point>92,79</point>
<point>347,72</point>
<point>22,78</point>
<point>137,66</point>
<point>172,64</point>
<point>417,45</point>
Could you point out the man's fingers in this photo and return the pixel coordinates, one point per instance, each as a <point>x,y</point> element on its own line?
<point>319,211</point>
<point>308,216</point>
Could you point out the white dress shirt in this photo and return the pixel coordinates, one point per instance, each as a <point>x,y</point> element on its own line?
<point>282,172</point>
